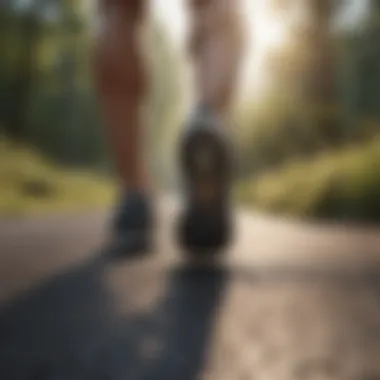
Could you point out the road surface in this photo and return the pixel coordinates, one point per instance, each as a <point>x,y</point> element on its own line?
<point>289,301</point>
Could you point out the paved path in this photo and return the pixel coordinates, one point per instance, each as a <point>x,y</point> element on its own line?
<point>289,301</point>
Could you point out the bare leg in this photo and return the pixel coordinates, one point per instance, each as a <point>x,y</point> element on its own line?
<point>216,46</point>
<point>120,81</point>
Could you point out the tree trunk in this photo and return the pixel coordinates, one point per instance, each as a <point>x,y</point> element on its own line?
<point>16,124</point>
<point>321,81</point>
<point>23,84</point>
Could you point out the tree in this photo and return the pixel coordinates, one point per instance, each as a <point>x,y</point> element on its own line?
<point>361,74</point>
<point>28,22</point>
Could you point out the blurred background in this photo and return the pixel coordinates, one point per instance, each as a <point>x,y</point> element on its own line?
<point>307,118</point>
<point>291,300</point>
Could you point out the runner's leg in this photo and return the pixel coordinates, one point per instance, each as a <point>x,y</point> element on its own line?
<point>119,75</point>
<point>216,46</point>
<point>120,80</point>
<point>205,152</point>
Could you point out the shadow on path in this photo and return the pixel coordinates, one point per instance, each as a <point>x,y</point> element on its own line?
<point>67,329</point>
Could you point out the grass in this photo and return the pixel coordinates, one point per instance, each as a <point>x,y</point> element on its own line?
<point>30,184</point>
<point>344,184</point>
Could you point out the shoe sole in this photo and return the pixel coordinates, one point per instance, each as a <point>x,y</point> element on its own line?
<point>206,165</point>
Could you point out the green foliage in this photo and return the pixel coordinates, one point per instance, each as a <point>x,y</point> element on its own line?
<point>289,123</point>
<point>29,183</point>
<point>343,184</point>
<point>360,76</point>
<point>282,128</point>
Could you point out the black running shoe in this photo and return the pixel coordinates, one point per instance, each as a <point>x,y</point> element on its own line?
<point>206,166</point>
<point>132,226</point>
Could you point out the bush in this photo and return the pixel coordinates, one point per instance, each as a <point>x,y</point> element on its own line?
<point>344,184</point>
<point>283,129</point>
<point>31,184</point>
